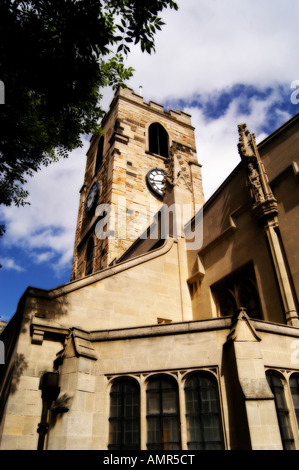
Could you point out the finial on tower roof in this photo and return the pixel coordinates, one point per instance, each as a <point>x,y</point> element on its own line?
<point>246,145</point>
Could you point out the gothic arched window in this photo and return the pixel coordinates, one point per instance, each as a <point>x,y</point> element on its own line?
<point>238,290</point>
<point>89,257</point>
<point>202,413</point>
<point>158,140</point>
<point>124,428</point>
<point>99,157</point>
<point>282,410</point>
<point>163,425</point>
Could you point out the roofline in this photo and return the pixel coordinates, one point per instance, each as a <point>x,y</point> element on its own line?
<point>278,131</point>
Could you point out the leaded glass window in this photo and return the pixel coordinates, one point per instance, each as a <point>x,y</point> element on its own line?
<point>282,411</point>
<point>163,425</point>
<point>124,421</point>
<point>294,386</point>
<point>202,413</point>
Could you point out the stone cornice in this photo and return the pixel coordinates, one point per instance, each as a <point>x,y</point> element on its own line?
<point>162,330</point>
<point>197,326</point>
<point>41,327</point>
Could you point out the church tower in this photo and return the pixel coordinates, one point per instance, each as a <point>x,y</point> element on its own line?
<point>145,157</point>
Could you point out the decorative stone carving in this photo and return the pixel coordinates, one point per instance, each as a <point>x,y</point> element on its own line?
<point>177,168</point>
<point>265,209</point>
<point>263,201</point>
<point>242,328</point>
<point>255,184</point>
<point>246,141</point>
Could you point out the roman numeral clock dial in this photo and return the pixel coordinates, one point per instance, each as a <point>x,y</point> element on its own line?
<point>156,181</point>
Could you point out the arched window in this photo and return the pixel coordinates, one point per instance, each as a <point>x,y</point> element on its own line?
<point>202,413</point>
<point>238,290</point>
<point>158,140</point>
<point>124,427</point>
<point>89,257</point>
<point>99,157</point>
<point>163,425</point>
<point>294,386</point>
<point>282,411</point>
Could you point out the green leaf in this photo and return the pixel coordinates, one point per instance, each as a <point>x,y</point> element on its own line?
<point>49,111</point>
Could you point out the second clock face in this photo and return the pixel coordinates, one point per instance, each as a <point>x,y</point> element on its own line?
<point>92,197</point>
<point>156,181</point>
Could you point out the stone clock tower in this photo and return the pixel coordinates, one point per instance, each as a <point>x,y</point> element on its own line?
<point>144,158</point>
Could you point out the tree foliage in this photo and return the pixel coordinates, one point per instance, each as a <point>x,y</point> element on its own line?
<point>55,57</point>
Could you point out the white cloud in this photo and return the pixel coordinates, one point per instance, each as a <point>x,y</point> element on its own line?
<point>211,44</point>
<point>42,257</point>
<point>217,139</point>
<point>10,263</point>
<point>48,223</point>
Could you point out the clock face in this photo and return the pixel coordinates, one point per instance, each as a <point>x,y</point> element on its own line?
<point>156,181</point>
<point>92,197</point>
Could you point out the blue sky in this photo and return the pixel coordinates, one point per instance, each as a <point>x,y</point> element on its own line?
<point>223,62</point>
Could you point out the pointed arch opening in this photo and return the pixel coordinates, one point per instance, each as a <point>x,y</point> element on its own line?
<point>238,290</point>
<point>158,141</point>
<point>99,157</point>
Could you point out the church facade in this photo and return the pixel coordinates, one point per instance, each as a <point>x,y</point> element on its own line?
<point>179,328</point>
